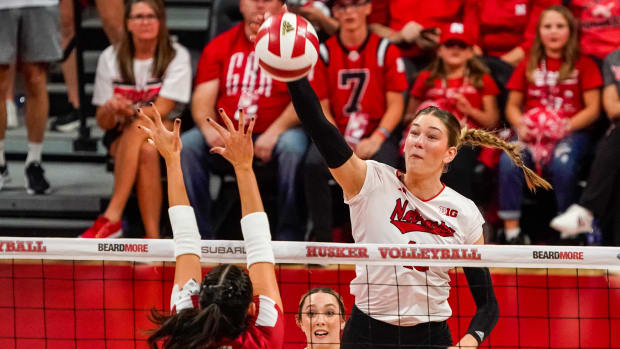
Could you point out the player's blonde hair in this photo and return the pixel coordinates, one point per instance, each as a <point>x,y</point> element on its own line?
<point>458,137</point>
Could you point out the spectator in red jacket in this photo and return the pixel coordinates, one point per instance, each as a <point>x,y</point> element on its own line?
<point>599,22</point>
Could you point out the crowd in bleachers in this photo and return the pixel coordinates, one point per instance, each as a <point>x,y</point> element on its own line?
<point>545,73</point>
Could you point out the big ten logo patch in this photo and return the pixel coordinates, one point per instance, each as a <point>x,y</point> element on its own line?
<point>446,211</point>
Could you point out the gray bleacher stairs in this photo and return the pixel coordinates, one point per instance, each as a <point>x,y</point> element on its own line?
<point>82,186</point>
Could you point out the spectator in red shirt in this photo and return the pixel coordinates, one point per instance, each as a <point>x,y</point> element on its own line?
<point>416,25</point>
<point>229,78</point>
<point>460,83</point>
<point>504,32</point>
<point>599,22</point>
<point>360,80</point>
<point>554,95</point>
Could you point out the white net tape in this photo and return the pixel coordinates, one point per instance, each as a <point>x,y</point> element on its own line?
<point>319,253</point>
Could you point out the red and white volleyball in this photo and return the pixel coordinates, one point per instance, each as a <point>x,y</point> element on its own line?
<point>287,47</point>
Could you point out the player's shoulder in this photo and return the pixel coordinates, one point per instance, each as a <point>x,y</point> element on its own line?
<point>327,47</point>
<point>108,54</point>
<point>383,49</point>
<point>181,51</point>
<point>465,205</point>
<point>383,171</point>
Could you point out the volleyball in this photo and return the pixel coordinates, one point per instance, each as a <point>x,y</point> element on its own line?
<point>287,47</point>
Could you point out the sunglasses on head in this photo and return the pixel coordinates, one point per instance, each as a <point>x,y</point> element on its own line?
<point>456,43</point>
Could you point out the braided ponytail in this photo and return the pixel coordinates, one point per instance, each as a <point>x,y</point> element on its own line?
<point>487,139</point>
<point>457,136</point>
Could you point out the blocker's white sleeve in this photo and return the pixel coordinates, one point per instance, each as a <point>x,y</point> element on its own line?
<point>255,229</point>
<point>184,230</point>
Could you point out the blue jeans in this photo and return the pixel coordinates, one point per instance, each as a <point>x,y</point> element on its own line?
<point>198,164</point>
<point>562,171</point>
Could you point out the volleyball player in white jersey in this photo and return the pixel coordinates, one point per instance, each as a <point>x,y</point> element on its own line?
<point>407,307</point>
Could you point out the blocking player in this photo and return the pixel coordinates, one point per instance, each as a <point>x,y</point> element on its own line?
<point>229,308</point>
<point>360,81</point>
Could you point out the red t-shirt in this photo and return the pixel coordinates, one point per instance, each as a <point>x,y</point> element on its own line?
<point>600,25</point>
<point>566,97</point>
<point>443,92</point>
<point>500,26</point>
<point>356,80</point>
<point>430,14</point>
<point>230,58</point>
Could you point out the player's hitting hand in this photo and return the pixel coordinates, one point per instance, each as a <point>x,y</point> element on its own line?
<point>168,143</point>
<point>238,148</point>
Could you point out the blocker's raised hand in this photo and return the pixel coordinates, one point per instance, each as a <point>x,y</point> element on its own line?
<point>168,143</point>
<point>238,148</point>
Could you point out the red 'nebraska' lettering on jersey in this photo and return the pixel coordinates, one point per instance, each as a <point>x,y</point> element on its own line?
<point>412,220</point>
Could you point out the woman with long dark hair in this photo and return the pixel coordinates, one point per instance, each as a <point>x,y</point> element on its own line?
<point>146,66</point>
<point>229,308</point>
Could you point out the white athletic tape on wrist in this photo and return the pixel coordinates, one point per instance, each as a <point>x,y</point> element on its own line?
<point>255,229</point>
<point>184,230</point>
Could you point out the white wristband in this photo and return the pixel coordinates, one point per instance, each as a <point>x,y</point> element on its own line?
<point>184,230</point>
<point>255,229</point>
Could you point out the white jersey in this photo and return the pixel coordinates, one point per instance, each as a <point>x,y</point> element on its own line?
<point>385,211</point>
<point>175,84</point>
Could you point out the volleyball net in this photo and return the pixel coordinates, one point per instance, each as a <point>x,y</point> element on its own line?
<point>91,293</point>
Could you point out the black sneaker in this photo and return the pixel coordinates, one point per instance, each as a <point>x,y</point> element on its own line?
<point>4,175</point>
<point>66,123</point>
<point>36,183</point>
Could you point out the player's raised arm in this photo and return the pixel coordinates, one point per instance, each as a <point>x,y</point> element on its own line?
<point>182,218</point>
<point>348,170</point>
<point>239,151</point>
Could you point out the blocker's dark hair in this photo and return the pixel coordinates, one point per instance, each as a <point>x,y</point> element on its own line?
<point>225,297</point>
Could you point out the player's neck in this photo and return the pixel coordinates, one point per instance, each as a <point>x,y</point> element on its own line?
<point>355,37</point>
<point>144,49</point>
<point>454,72</point>
<point>556,54</point>
<point>423,187</point>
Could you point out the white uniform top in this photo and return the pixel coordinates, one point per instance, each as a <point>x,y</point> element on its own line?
<point>384,211</point>
<point>176,84</point>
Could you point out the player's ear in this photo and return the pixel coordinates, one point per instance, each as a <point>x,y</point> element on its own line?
<point>252,309</point>
<point>450,155</point>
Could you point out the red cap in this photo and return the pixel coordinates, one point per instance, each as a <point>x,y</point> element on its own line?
<point>456,31</point>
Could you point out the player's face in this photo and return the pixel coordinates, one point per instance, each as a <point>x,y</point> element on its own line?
<point>554,31</point>
<point>321,320</point>
<point>351,15</point>
<point>455,53</point>
<point>143,22</point>
<point>252,8</point>
<point>426,146</point>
